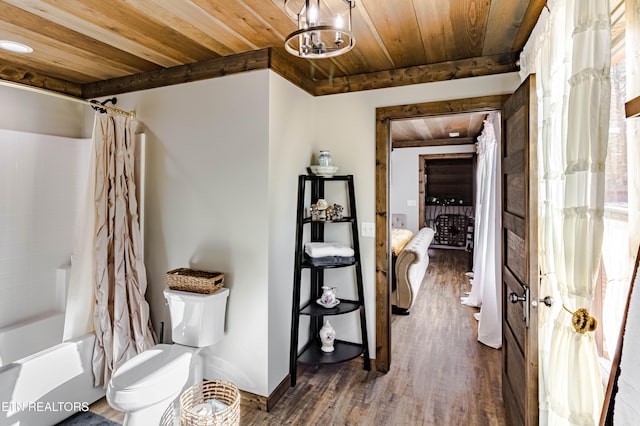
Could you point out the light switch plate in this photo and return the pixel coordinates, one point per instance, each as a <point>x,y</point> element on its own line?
<point>411,203</point>
<point>368,229</point>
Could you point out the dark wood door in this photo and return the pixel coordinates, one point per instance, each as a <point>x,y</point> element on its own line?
<point>519,257</point>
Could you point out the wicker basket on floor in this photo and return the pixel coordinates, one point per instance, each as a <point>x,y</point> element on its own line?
<point>221,390</point>
<point>185,279</point>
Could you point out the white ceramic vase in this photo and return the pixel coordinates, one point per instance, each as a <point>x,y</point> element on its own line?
<point>327,336</point>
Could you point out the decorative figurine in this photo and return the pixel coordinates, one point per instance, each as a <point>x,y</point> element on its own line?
<point>338,212</point>
<point>322,205</point>
<point>315,213</point>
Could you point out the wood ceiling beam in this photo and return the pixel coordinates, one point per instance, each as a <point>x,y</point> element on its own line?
<point>529,20</point>
<point>442,71</point>
<point>218,67</point>
<point>29,78</point>
<point>432,142</point>
<point>292,69</point>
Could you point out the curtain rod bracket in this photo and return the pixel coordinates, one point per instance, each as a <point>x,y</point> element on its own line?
<point>101,110</point>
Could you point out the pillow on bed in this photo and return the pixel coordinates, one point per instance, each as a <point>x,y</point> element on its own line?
<point>399,239</point>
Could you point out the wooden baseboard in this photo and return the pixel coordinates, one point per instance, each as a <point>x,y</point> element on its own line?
<point>264,403</point>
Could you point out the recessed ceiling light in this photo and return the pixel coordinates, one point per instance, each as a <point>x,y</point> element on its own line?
<point>454,134</point>
<point>14,46</point>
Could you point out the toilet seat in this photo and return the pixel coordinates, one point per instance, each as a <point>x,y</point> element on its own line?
<point>151,376</point>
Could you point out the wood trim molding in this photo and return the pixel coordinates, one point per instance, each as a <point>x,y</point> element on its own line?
<point>18,75</point>
<point>632,108</point>
<point>292,69</point>
<point>264,403</point>
<point>448,156</point>
<point>384,115</point>
<point>432,142</point>
<point>299,72</point>
<point>218,67</point>
<point>451,70</point>
<point>421,190</point>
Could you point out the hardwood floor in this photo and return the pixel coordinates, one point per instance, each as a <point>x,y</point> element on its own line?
<point>440,374</point>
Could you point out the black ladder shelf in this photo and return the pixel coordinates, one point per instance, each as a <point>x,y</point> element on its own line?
<point>310,352</point>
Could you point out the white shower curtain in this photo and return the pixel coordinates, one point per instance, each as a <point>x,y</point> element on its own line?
<point>121,317</point>
<point>485,292</point>
<point>572,60</point>
<point>108,275</point>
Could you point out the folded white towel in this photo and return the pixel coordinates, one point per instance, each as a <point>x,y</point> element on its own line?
<point>328,249</point>
<point>202,409</point>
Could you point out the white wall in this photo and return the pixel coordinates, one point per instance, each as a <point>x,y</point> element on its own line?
<point>41,181</point>
<point>35,113</point>
<point>207,200</point>
<point>404,185</point>
<point>291,120</point>
<point>347,128</point>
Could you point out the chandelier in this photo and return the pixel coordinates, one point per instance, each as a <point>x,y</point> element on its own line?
<point>324,28</point>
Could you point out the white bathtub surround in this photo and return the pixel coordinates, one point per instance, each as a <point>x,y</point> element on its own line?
<point>49,385</point>
<point>81,290</point>
<point>28,337</point>
<point>41,181</point>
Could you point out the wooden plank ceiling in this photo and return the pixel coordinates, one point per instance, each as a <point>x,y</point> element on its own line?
<point>437,130</point>
<point>94,47</point>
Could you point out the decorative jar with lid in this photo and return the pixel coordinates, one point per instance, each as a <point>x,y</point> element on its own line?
<point>324,159</point>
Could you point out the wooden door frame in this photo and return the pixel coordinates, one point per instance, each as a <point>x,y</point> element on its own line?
<point>384,116</point>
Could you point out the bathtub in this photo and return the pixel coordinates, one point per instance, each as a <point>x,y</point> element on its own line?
<point>42,379</point>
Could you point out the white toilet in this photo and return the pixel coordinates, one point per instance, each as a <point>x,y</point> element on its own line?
<point>145,387</point>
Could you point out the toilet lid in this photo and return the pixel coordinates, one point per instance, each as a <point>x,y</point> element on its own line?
<point>152,375</point>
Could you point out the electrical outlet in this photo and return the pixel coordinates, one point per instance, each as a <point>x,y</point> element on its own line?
<point>368,229</point>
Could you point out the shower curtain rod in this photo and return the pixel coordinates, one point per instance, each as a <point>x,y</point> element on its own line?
<point>130,114</point>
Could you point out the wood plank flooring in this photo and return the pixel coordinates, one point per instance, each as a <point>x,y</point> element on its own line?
<point>440,374</point>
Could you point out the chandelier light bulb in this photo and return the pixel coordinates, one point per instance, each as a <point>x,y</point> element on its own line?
<point>312,16</point>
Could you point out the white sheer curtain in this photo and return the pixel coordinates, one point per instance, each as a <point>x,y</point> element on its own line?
<point>616,264</point>
<point>121,313</point>
<point>485,291</point>
<point>572,60</point>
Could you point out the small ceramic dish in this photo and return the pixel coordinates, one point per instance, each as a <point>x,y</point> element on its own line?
<point>335,303</point>
<point>326,171</point>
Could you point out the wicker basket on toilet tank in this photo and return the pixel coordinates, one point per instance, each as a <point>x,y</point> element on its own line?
<point>185,279</point>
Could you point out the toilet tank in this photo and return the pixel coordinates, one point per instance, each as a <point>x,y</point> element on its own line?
<point>197,319</point>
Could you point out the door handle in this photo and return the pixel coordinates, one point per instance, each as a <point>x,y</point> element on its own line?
<point>514,298</point>
<point>548,301</point>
